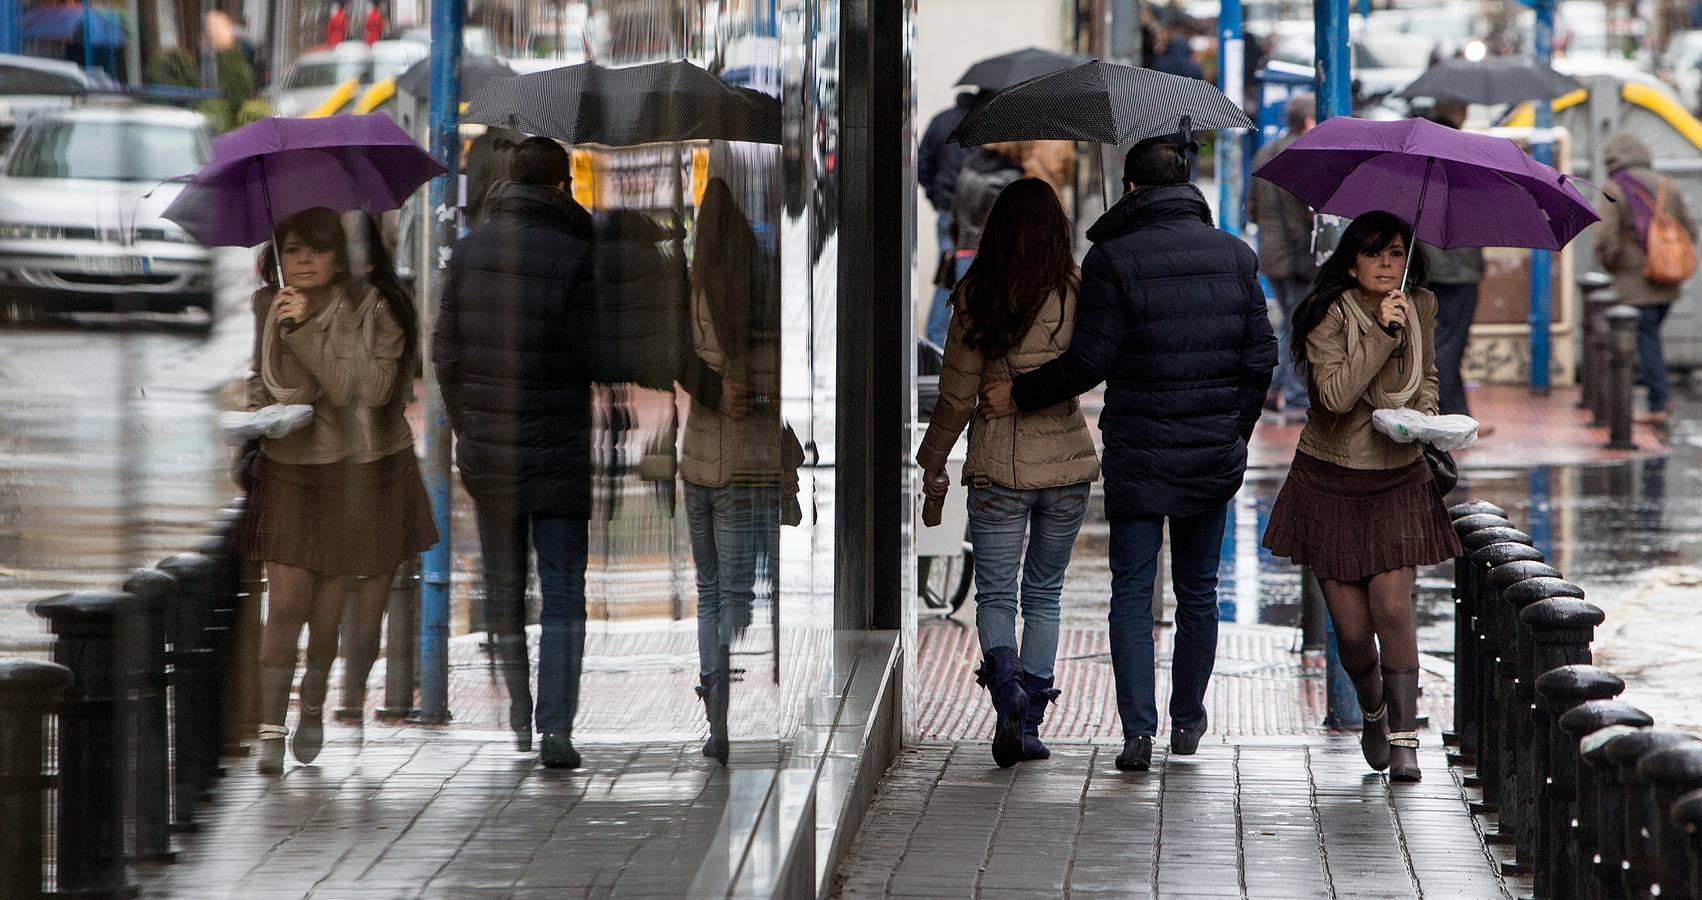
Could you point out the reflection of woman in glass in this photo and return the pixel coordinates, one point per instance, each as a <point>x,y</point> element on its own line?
<point>1358,508</point>
<point>731,458</point>
<point>1029,475</point>
<point>339,502</point>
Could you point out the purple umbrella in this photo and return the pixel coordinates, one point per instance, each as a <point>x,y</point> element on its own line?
<point>1458,189</point>
<point>261,174</point>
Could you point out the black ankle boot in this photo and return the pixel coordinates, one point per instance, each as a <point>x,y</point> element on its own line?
<point>998,674</point>
<point>1374,737</point>
<point>310,728</point>
<point>1401,692</point>
<point>516,670</point>
<point>713,690</point>
<point>1040,692</point>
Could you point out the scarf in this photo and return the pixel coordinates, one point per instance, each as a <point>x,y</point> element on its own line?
<point>271,374</point>
<point>1642,202</point>
<point>1358,324</point>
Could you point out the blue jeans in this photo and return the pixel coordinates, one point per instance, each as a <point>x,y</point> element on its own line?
<point>939,314</point>
<point>999,520</point>
<point>562,545</point>
<point>1456,306</point>
<point>1651,362</point>
<point>1195,544</point>
<point>735,541</point>
<point>1289,292</point>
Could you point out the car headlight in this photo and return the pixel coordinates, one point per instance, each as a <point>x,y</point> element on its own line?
<point>24,231</point>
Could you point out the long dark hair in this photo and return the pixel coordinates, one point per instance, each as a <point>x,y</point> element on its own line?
<point>1023,258</point>
<point>382,277</point>
<point>724,260</point>
<point>1369,233</point>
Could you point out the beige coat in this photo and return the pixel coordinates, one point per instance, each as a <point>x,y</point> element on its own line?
<point>1026,451</point>
<point>1617,249</point>
<point>1338,427</point>
<point>346,361</point>
<point>719,450</point>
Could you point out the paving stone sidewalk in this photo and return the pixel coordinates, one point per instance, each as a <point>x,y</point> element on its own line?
<point>1259,818</point>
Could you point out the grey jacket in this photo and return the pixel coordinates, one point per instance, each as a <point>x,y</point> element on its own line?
<point>1284,220</point>
<point>1461,265</point>
<point>985,174</point>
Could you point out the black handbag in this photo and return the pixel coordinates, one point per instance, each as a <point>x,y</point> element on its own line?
<point>1442,468</point>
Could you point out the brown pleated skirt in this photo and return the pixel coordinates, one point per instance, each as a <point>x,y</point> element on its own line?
<point>338,518</point>
<point>1350,524</point>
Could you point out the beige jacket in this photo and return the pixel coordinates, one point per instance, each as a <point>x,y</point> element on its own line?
<point>1338,428</point>
<point>719,450</point>
<point>1026,451</point>
<point>346,361</point>
<point>1617,249</point>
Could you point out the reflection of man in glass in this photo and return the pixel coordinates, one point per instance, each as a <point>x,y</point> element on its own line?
<point>735,460</point>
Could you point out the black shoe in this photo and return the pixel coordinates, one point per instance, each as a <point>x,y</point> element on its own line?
<point>1184,741</point>
<point>523,739</point>
<point>558,752</point>
<point>1136,755</point>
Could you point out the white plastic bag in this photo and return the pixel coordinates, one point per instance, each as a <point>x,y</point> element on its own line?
<point>1404,426</point>
<point>273,421</point>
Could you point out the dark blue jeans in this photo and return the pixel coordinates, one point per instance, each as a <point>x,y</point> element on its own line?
<point>1289,292</point>
<point>939,312</point>
<point>1651,361</point>
<point>1195,545</point>
<point>562,545</point>
<point>1456,306</point>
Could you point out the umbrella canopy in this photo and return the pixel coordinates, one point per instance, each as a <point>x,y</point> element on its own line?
<point>1100,102</point>
<point>475,73</point>
<point>1458,189</point>
<point>263,173</point>
<point>66,21</point>
<point>1498,80</point>
<point>590,104</point>
<point>1006,69</point>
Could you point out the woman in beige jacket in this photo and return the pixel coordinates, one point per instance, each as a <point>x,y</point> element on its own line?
<point>338,503</point>
<point>1029,474</point>
<point>1359,509</point>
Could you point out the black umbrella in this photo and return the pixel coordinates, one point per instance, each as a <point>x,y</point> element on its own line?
<point>1502,79</point>
<point>1007,69</point>
<point>1101,102</point>
<point>590,104</point>
<point>476,72</point>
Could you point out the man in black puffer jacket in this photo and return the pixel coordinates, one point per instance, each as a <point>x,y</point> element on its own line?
<point>508,344</point>
<point>1172,319</point>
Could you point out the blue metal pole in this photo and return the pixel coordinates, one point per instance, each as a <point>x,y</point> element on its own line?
<point>1231,56</point>
<point>11,27</point>
<point>1542,149</point>
<point>88,47</point>
<point>437,564</point>
<point>1365,8</point>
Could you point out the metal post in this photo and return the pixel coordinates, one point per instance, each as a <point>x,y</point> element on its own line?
<point>1335,78</point>
<point>29,691</point>
<point>1584,726</point>
<point>1516,586</point>
<point>1599,375</point>
<point>1493,648</point>
<point>11,28</point>
<point>194,694</point>
<point>1686,815</point>
<point>442,224</point>
<point>1668,775</point>
<point>1468,598</point>
<point>1622,322</point>
<point>1635,867</point>
<point>1562,629</point>
<point>150,768</point>
<point>1231,57</point>
<point>401,628</point>
<point>1542,149</point>
<point>1590,285</point>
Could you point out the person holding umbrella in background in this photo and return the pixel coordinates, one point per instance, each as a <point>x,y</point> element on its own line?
<point>938,162</point>
<point>1285,249</point>
<point>1455,277</point>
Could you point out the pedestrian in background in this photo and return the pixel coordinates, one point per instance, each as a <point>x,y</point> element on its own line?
<point>1029,476</point>
<point>938,162</point>
<point>509,349</point>
<point>374,24</point>
<point>985,172</point>
<point>338,503</point>
<point>1362,511</point>
<point>1285,249</point>
<point>1172,319</point>
<point>1630,199</point>
<point>1455,277</point>
<point>337,27</point>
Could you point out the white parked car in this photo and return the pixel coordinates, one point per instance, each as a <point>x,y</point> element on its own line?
<point>313,77</point>
<point>81,192</point>
<point>30,84</point>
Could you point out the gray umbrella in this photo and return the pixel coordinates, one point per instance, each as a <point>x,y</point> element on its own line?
<point>1099,102</point>
<point>475,71</point>
<point>1006,69</point>
<point>1502,79</point>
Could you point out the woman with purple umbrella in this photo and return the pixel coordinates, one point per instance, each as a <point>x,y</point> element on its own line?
<point>1360,509</point>
<point>339,503</point>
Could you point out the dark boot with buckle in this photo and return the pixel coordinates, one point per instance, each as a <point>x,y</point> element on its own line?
<point>517,678</point>
<point>1400,690</point>
<point>310,729</point>
<point>1374,739</point>
<point>274,706</point>
<point>998,674</point>
<point>1040,692</point>
<point>713,689</point>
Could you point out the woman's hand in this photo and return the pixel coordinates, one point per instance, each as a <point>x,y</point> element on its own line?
<point>935,484</point>
<point>292,306</point>
<point>1394,310</point>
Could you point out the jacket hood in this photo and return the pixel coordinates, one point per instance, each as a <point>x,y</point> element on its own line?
<point>1150,205</point>
<point>1626,151</point>
<point>537,201</point>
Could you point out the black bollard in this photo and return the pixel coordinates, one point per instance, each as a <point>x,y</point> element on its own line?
<point>1600,872</point>
<point>1597,345</point>
<point>1636,867</point>
<point>150,776</point>
<point>1622,323</point>
<point>225,596</point>
<point>1481,728</point>
<point>29,691</point>
<point>1667,775</point>
<point>195,720</point>
<point>1468,517</point>
<point>1686,816</point>
<point>1588,724</point>
<point>93,739</point>
<point>401,644</point>
<point>1559,690</point>
<point>1474,507</point>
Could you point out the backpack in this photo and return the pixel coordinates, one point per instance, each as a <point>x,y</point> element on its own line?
<point>1670,256</point>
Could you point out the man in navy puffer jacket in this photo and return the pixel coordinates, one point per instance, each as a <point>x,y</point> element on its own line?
<point>1172,319</point>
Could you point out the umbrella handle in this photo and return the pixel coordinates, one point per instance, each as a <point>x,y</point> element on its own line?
<point>277,251</point>
<point>1413,250</point>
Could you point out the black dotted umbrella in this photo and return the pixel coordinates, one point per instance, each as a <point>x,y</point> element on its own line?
<point>1493,81</point>
<point>1007,69</point>
<point>476,72</point>
<point>1099,102</point>
<point>590,104</point>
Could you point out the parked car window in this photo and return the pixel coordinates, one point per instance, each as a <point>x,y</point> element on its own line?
<point>325,73</point>
<point>106,151</point>
<point>22,80</point>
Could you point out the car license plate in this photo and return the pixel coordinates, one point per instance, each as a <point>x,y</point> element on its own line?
<point>114,265</point>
